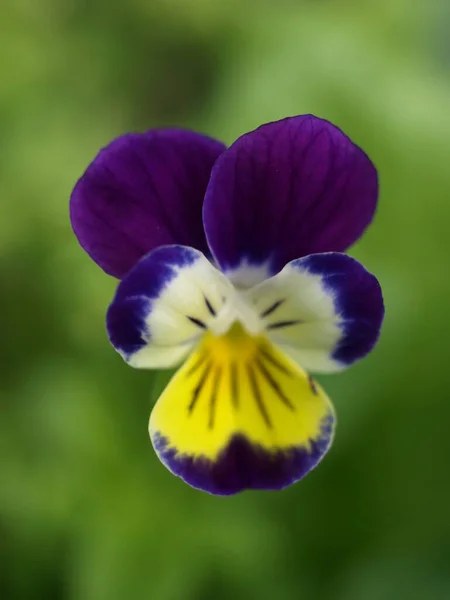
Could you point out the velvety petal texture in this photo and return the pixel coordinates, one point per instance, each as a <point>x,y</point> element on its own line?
<point>140,192</point>
<point>324,310</point>
<point>288,189</point>
<point>163,306</point>
<point>241,415</point>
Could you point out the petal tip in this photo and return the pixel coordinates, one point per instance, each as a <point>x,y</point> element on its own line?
<point>243,465</point>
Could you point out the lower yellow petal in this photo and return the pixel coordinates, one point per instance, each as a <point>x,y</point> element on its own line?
<point>240,414</point>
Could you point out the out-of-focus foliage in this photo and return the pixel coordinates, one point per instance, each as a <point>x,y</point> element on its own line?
<point>87,511</point>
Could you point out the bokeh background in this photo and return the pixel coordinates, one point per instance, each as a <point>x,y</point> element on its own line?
<point>87,511</point>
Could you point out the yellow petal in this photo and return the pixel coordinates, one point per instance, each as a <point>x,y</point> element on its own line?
<point>240,414</point>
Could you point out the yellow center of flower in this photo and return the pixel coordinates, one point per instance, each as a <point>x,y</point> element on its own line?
<point>235,345</point>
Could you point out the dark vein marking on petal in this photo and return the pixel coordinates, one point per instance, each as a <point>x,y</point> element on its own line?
<point>198,388</point>
<point>274,385</point>
<point>197,322</point>
<point>213,398</point>
<point>295,180</point>
<point>210,307</point>
<point>272,308</point>
<point>257,395</point>
<point>312,385</point>
<point>281,324</point>
<point>234,385</point>
<point>168,222</point>
<point>272,360</point>
<point>198,364</point>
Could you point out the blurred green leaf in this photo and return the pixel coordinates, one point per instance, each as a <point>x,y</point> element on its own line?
<point>87,511</point>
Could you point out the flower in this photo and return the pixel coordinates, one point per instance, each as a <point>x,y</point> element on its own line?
<point>230,264</point>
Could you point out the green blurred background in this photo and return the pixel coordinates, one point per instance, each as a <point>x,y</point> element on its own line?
<point>87,511</point>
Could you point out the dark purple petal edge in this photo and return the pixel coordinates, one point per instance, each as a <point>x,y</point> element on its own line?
<point>244,465</point>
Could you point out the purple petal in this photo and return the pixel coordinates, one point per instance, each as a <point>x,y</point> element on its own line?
<point>288,189</point>
<point>140,192</point>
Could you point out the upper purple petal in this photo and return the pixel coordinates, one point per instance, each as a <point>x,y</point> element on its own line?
<point>140,192</point>
<point>288,189</point>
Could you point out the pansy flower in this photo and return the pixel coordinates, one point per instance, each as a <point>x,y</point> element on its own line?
<point>231,265</point>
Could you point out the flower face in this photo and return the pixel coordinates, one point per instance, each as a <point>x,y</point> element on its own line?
<point>230,265</point>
